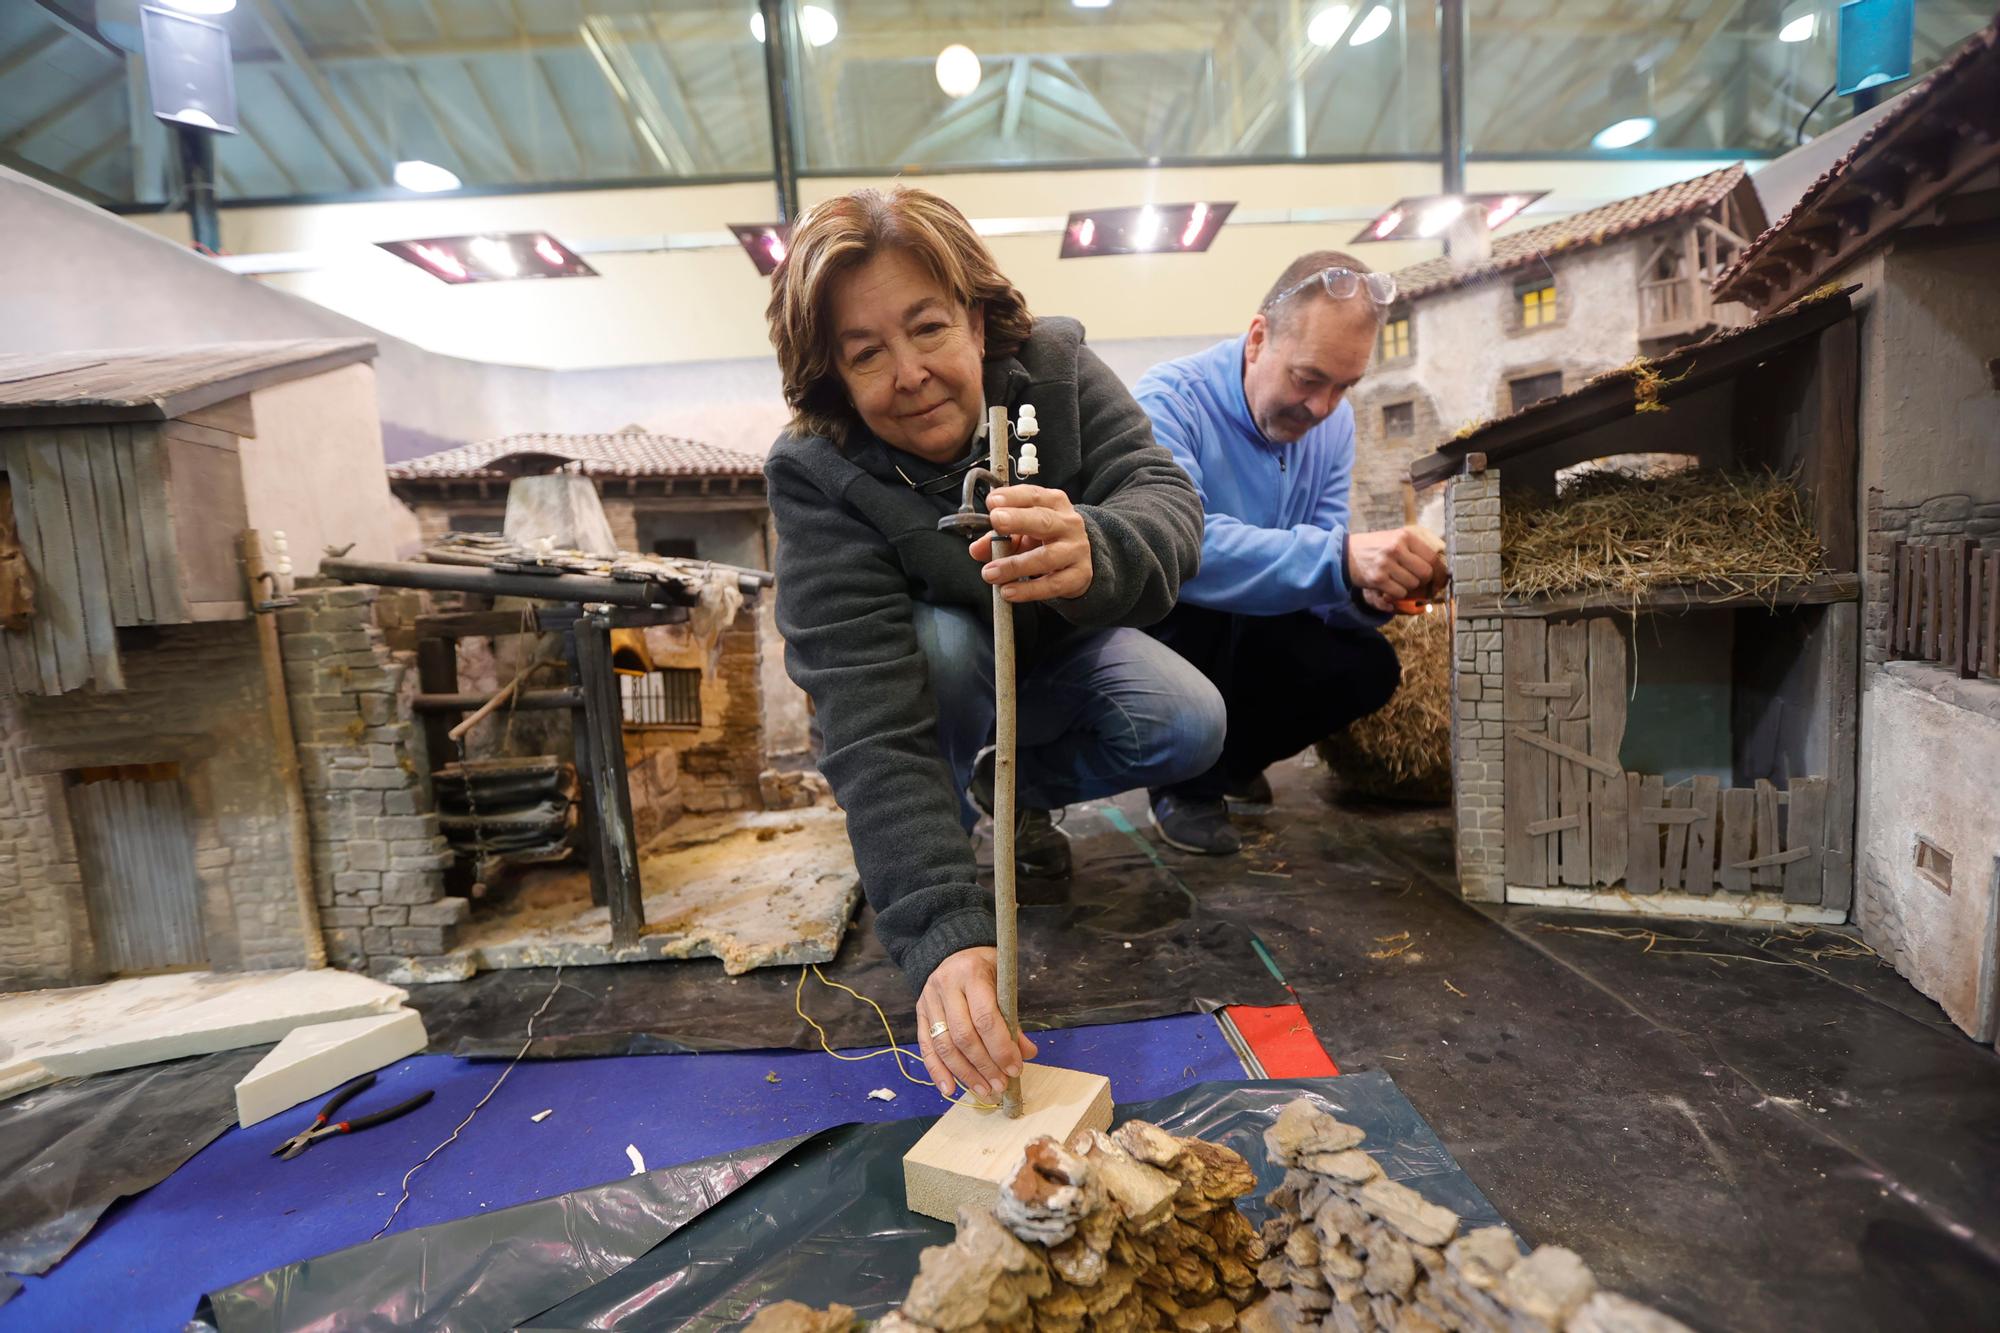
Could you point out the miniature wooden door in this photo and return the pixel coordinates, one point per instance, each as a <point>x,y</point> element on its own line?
<point>1564,713</point>
<point>134,830</point>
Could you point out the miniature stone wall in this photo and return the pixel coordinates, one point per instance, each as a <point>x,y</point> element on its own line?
<point>1472,535</point>
<point>715,766</point>
<point>195,698</point>
<point>377,852</point>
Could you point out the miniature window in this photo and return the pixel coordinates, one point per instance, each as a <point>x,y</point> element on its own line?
<point>1394,342</point>
<point>1538,302</point>
<point>1934,863</point>
<point>478,523</point>
<point>676,548</point>
<point>1399,419</point>
<point>669,697</point>
<point>1533,388</point>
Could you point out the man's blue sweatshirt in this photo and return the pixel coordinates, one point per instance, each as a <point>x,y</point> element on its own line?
<point>1276,514</point>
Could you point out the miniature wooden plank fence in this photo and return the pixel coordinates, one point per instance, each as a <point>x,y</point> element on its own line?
<point>1944,605</point>
<point>1575,817</point>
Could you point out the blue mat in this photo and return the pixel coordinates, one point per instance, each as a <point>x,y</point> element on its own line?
<point>234,1211</point>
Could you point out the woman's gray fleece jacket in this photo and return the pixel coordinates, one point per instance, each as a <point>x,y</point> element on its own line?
<point>857,546</point>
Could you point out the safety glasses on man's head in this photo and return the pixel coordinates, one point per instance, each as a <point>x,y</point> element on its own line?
<point>1341,283</point>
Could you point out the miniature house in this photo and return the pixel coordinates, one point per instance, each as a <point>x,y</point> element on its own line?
<point>1908,214</point>
<point>1548,308</point>
<point>666,496</point>
<point>159,502</point>
<point>1690,751</point>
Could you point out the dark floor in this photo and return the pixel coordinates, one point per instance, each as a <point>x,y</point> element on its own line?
<point>1753,1128</point>
<point>1750,1127</point>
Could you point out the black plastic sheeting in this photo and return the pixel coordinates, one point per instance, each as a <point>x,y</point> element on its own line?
<point>1131,943</point>
<point>72,1149</point>
<point>828,1223</point>
<point>705,1244</point>
<point>490,1269</point>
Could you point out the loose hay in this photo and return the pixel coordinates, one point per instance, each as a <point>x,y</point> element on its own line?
<point>1739,532</point>
<point>1403,751</point>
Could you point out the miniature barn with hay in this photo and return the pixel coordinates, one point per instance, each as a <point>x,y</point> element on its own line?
<point>1908,213</point>
<point>1656,714</point>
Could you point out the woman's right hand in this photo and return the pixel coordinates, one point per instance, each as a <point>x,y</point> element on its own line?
<point>974,1051</point>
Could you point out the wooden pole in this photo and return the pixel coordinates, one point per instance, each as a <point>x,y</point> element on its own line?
<point>284,749</point>
<point>1003,778</point>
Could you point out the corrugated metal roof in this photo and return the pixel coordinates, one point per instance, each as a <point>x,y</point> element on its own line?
<point>628,453</point>
<point>1579,231</point>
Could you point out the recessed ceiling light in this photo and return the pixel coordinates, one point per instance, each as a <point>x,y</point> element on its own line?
<point>491,258</point>
<point>425,177</point>
<point>1091,4</point>
<point>1800,29</point>
<point>958,70</point>
<point>764,242</point>
<point>1439,215</point>
<point>1144,229</point>
<point>1327,27</point>
<point>1624,133</point>
<point>1373,25</point>
<point>1422,217</point>
<point>203,7</point>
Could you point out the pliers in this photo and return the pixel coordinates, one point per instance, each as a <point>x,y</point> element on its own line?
<point>320,1129</point>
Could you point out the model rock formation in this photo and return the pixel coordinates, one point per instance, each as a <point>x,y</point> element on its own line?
<point>1135,1229</point>
<point>1348,1251</point>
<point>1138,1229</point>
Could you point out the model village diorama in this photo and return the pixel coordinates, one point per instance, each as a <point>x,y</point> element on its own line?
<point>1722,504</point>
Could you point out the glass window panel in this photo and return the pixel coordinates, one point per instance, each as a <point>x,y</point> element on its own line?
<point>1710,75</point>
<point>1141,79</point>
<point>331,94</point>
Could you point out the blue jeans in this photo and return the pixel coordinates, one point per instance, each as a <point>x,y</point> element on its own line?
<point>1105,712</point>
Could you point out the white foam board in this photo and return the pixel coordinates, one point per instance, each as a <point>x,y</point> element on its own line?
<point>50,1034</point>
<point>316,1059</point>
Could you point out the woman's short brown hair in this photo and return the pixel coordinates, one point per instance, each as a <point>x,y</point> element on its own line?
<point>840,234</point>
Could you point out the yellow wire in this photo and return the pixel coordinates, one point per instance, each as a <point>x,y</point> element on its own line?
<point>892,1049</point>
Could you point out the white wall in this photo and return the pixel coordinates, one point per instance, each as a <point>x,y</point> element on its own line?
<point>671,341</point>
<point>314,471</point>
<point>1928,771</point>
<point>1929,415</point>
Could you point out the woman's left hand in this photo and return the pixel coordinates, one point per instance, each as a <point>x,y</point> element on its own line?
<point>1050,557</point>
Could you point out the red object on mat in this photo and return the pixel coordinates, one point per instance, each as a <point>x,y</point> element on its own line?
<point>1283,1040</point>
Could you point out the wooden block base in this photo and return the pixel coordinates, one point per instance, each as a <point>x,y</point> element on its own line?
<point>962,1158</point>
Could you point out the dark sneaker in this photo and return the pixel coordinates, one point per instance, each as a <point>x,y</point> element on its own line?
<point>1041,849</point>
<point>1257,791</point>
<point>1196,826</point>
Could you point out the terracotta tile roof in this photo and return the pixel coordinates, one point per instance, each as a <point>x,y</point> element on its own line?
<point>627,453</point>
<point>1579,231</point>
<point>1957,101</point>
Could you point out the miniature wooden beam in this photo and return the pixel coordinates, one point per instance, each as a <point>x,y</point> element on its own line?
<point>1561,751</point>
